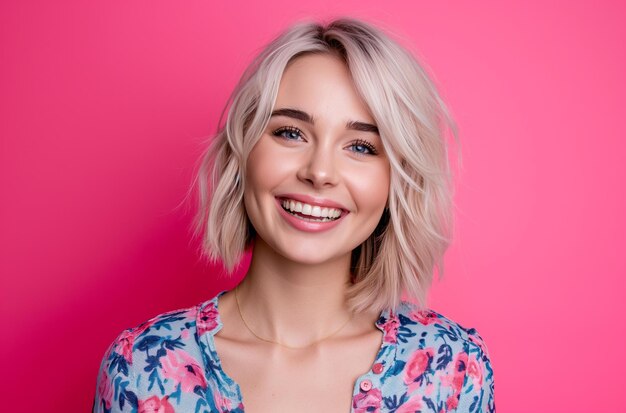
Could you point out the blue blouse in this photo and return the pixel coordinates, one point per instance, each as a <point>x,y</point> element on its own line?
<point>168,364</point>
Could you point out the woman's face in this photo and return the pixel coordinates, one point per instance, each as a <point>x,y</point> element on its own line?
<point>319,155</point>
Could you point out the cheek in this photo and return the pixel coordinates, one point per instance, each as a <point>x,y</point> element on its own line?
<point>371,188</point>
<point>265,170</point>
<point>259,168</point>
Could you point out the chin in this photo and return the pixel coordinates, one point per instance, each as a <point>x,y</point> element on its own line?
<point>309,256</point>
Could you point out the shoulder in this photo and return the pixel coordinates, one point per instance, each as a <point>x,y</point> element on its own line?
<point>168,328</point>
<point>425,327</point>
<point>434,351</point>
<point>148,358</point>
<point>410,327</point>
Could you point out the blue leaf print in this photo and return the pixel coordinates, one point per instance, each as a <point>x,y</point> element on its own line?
<point>404,320</point>
<point>172,344</point>
<point>148,342</point>
<point>404,333</point>
<point>445,356</point>
<point>118,363</point>
<point>474,404</point>
<point>176,394</point>
<point>391,402</point>
<point>430,404</point>
<point>199,404</point>
<point>132,398</point>
<point>167,320</point>
<point>394,370</point>
<point>155,378</point>
<point>444,332</point>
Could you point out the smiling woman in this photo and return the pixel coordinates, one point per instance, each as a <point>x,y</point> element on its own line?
<point>332,169</point>
<point>316,157</point>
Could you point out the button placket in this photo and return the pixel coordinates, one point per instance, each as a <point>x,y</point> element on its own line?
<point>377,368</point>
<point>366,385</point>
<point>368,398</point>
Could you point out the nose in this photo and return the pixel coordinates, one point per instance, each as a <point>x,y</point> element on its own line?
<point>319,168</point>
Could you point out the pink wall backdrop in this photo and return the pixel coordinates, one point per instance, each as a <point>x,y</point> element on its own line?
<point>104,106</point>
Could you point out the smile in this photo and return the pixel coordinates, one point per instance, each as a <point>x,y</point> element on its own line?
<point>307,212</point>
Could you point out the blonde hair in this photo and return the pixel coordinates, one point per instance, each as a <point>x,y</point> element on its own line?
<point>408,244</point>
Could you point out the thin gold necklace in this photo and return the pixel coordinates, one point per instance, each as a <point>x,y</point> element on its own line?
<point>281,344</point>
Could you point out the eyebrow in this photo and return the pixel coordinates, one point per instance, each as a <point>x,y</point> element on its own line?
<point>305,117</point>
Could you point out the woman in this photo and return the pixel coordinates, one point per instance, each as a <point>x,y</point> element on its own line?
<point>332,168</point>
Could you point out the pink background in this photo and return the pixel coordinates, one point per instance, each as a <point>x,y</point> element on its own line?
<point>104,107</point>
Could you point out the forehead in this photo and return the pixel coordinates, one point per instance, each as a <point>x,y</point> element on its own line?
<point>321,84</point>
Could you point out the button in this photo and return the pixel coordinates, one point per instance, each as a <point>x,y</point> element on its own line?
<point>377,368</point>
<point>366,385</point>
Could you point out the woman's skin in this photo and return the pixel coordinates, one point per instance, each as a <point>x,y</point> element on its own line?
<point>294,290</point>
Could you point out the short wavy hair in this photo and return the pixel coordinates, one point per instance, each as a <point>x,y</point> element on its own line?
<point>408,245</point>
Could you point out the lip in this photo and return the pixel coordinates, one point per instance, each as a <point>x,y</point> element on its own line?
<point>307,226</point>
<point>315,201</point>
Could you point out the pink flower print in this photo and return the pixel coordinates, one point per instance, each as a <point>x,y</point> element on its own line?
<point>424,317</point>
<point>446,379</point>
<point>125,345</point>
<point>391,329</point>
<point>458,375</point>
<point>155,405</point>
<point>417,364</point>
<point>474,371</point>
<point>367,402</point>
<point>182,368</point>
<point>105,390</point>
<point>411,406</point>
<point>139,330</point>
<point>452,402</point>
<point>127,339</point>
<point>207,319</point>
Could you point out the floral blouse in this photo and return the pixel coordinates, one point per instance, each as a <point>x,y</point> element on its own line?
<point>426,363</point>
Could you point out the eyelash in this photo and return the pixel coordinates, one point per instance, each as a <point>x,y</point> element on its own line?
<point>369,146</point>
<point>359,142</point>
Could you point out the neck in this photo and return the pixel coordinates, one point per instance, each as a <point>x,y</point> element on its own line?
<point>294,303</point>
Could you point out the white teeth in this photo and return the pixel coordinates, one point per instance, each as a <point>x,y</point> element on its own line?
<point>311,210</point>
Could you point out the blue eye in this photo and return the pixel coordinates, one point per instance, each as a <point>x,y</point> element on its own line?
<point>290,133</point>
<point>364,147</point>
